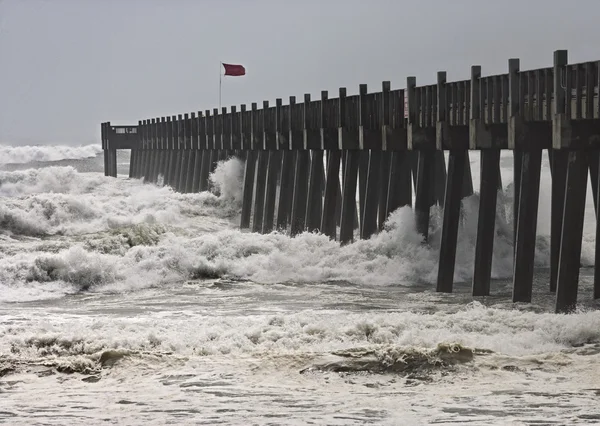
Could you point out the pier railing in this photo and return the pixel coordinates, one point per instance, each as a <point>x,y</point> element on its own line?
<point>385,141</point>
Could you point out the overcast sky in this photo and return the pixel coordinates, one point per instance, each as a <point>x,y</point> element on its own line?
<point>67,65</point>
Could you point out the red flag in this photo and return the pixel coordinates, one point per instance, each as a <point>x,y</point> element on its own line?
<point>234,70</point>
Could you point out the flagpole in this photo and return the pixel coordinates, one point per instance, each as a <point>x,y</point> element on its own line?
<point>220,73</point>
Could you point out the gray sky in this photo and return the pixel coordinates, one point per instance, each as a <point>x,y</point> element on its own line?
<point>67,65</point>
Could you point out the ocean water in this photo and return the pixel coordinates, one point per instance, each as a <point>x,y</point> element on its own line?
<point>124,303</point>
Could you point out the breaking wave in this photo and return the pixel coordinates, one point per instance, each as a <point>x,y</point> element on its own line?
<point>36,153</point>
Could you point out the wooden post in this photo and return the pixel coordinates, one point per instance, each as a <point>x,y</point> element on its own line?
<point>572,232</point>
<point>273,169</point>
<point>452,204</point>
<point>314,206</point>
<point>175,153</point>
<point>162,164</point>
<point>185,153</point>
<point>559,159</point>
<point>349,196</point>
<point>286,189</point>
<point>400,184</point>
<point>301,171</point>
<point>261,172</point>
<point>179,152</point>
<point>328,219</point>
<point>372,192</point>
<point>457,170</point>
<point>526,225</point>
<point>385,121</point>
<point>191,135</point>
<point>206,158</point>
<point>169,153</point>
<point>423,191</point>
<point>248,189</point>
<point>488,193</point>
<point>259,196</point>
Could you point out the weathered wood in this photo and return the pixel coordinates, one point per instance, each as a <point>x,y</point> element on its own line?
<point>259,191</point>
<point>384,183</point>
<point>597,246</point>
<point>185,154</point>
<point>273,171</point>
<point>593,161</point>
<point>488,192</point>
<point>467,190</point>
<point>349,197</point>
<point>452,204</point>
<point>363,170</point>
<point>423,192</point>
<point>559,163</point>
<point>248,188</point>
<point>174,152</point>
<point>400,184</point>
<point>299,201</point>
<point>332,195</point>
<point>197,168</point>
<point>314,205</point>
<point>526,226</point>
<point>572,232</point>
<point>439,178</point>
<point>286,191</point>
<point>371,203</point>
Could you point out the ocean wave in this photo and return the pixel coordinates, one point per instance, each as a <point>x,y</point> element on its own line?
<point>391,342</point>
<point>35,153</point>
<point>61,201</point>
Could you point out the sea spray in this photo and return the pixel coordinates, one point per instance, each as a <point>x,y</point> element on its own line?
<point>28,153</point>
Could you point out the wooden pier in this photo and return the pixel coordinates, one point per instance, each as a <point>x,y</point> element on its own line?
<point>385,141</point>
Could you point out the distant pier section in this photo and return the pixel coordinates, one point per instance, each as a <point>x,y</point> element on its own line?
<point>389,143</point>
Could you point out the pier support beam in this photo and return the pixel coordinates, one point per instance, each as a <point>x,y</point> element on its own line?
<point>371,197</point>
<point>423,192</point>
<point>301,171</point>
<point>314,206</point>
<point>452,204</point>
<point>484,249</point>
<point>349,197</point>
<point>286,191</point>
<point>197,167</point>
<point>526,226</point>
<point>273,169</point>
<point>259,191</point>
<point>384,181</point>
<point>572,232</point>
<point>332,195</point>
<point>248,189</point>
<point>559,163</point>
<point>400,183</point>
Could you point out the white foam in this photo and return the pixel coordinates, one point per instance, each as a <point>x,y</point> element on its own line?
<point>29,153</point>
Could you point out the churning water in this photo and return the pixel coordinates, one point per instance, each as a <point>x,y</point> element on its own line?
<point>125,303</point>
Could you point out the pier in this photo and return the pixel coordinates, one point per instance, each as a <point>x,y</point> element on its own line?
<point>388,141</point>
